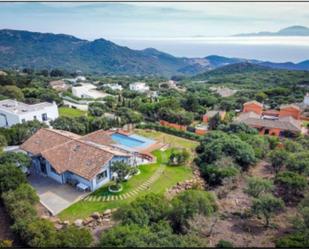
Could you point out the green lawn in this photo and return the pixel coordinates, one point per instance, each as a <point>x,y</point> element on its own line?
<point>71,112</point>
<point>169,178</point>
<point>174,141</point>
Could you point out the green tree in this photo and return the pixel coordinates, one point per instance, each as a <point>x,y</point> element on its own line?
<point>298,162</point>
<point>214,122</point>
<point>12,92</point>
<point>219,170</point>
<point>179,157</point>
<point>18,158</point>
<point>278,159</point>
<point>144,210</point>
<point>10,177</point>
<point>188,204</point>
<point>266,205</point>
<point>72,236</point>
<point>291,185</point>
<point>41,233</point>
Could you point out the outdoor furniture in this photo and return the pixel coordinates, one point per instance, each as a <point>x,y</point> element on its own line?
<point>82,187</point>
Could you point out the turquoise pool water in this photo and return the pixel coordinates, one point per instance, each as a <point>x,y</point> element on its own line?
<point>126,140</point>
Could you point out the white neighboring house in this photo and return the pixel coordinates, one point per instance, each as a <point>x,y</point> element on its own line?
<point>306,99</point>
<point>87,90</point>
<point>14,112</point>
<point>139,87</point>
<point>114,86</point>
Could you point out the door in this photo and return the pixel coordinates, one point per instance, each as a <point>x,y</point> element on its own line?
<point>43,168</point>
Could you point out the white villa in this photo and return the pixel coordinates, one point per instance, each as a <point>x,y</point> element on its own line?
<point>14,112</point>
<point>306,99</point>
<point>87,90</point>
<point>139,87</point>
<point>86,160</point>
<point>114,86</point>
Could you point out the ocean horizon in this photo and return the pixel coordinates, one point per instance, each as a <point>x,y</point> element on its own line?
<point>275,49</point>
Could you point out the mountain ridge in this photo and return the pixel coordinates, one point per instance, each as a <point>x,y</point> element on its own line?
<point>296,30</point>
<point>19,49</point>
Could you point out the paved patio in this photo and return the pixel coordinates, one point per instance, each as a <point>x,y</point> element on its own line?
<point>53,195</point>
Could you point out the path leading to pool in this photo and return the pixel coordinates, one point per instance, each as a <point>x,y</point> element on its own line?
<point>132,193</point>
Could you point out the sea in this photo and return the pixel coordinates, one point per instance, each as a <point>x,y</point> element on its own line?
<point>275,49</point>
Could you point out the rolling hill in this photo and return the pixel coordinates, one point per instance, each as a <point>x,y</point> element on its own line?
<point>253,74</point>
<point>20,49</point>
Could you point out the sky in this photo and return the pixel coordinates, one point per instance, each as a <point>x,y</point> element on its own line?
<point>162,25</point>
<point>148,20</point>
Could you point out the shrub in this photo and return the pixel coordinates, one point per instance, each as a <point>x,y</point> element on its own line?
<point>291,184</point>
<point>10,177</point>
<point>144,210</point>
<point>278,159</point>
<point>257,186</point>
<point>72,236</point>
<point>266,205</point>
<point>41,233</point>
<point>224,244</point>
<point>221,169</point>
<point>178,157</point>
<point>188,204</point>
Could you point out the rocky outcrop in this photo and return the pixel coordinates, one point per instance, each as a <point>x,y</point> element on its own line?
<point>197,182</point>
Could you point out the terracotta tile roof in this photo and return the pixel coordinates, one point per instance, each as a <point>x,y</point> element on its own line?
<point>67,151</point>
<point>254,102</point>
<point>283,123</point>
<point>290,106</point>
<point>99,137</point>
<point>45,139</point>
<point>78,157</point>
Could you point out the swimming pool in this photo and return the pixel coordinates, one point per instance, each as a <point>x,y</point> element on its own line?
<point>126,140</point>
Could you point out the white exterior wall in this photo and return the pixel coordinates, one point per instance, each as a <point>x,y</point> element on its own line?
<point>139,87</point>
<point>8,118</point>
<point>51,111</point>
<point>17,118</point>
<point>306,100</point>
<point>93,184</point>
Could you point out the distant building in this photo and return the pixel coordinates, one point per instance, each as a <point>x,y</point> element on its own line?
<point>87,90</point>
<point>306,99</point>
<point>59,85</point>
<point>211,114</point>
<point>2,73</point>
<point>14,112</point>
<point>270,121</point>
<point>115,87</point>
<point>223,91</point>
<point>201,129</point>
<point>139,87</point>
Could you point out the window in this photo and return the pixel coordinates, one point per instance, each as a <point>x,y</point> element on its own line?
<point>23,120</point>
<point>34,117</point>
<point>102,176</point>
<point>44,117</point>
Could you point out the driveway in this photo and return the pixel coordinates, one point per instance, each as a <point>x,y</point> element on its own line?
<point>53,195</point>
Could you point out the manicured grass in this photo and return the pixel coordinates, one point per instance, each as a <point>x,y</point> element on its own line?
<point>71,112</point>
<point>170,176</point>
<point>133,182</point>
<point>173,141</point>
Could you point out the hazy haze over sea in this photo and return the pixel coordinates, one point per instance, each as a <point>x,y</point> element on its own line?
<point>275,49</point>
